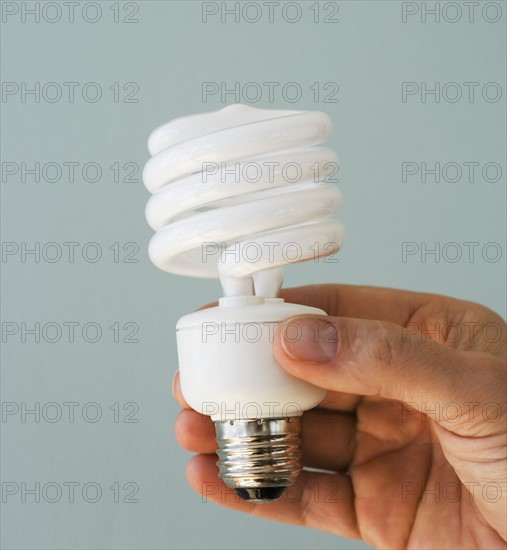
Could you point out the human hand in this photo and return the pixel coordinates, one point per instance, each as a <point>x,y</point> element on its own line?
<point>412,429</point>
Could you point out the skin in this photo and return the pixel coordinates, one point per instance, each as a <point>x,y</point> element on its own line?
<point>411,433</point>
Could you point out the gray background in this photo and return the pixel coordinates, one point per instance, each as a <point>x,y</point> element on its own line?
<point>169,52</point>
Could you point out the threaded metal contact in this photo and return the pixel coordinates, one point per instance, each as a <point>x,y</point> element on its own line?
<point>259,458</point>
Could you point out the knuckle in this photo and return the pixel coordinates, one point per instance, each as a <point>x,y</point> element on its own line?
<point>386,345</point>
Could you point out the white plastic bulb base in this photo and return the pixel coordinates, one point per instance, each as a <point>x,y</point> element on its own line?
<point>228,372</point>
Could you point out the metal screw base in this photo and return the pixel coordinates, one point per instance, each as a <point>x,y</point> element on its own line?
<point>259,458</point>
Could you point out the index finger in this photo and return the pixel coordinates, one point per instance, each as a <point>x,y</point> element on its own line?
<point>452,322</point>
<point>362,302</point>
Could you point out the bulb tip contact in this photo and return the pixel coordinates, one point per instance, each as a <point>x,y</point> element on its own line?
<point>260,495</point>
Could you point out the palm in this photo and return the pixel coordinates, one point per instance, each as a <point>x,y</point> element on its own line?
<point>406,492</point>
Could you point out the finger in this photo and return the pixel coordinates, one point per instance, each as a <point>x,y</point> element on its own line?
<point>455,323</point>
<point>207,306</point>
<point>340,401</point>
<point>195,432</point>
<point>176,389</point>
<point>380,359</point>
<point>316,500</point>
<point>328,438</point>
<point>362,302</point>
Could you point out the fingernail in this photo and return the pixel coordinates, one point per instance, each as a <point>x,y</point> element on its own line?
<point>310,339</point>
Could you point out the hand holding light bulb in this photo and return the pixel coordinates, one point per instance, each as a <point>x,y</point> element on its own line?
<point>411,434</point>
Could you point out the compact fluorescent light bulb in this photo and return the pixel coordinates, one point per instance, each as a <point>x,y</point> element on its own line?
<point>238,194</point>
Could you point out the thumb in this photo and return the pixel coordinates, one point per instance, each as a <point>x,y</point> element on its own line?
<point>373,358</point>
